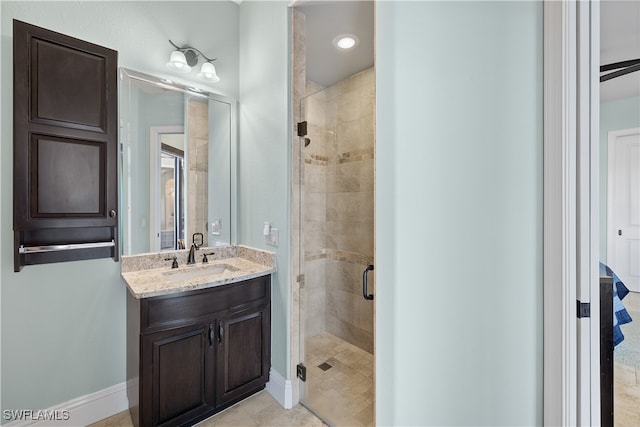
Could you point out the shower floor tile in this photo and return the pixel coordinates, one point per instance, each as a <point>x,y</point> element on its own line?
<point>344,394</point>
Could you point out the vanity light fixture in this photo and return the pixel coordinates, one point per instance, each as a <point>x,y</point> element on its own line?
<point>185,57</point>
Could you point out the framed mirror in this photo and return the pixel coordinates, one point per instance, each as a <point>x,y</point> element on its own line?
<point>177,165</point>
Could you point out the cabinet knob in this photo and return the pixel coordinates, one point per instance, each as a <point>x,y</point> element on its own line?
<point>113,213</point>
<point>220,332</point>
<point>212,333</point>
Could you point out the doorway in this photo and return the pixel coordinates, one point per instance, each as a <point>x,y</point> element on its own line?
<point>167,188</point>
<point>623,207</point>
<point>623,258</point>
<point>171,198</point>
<point>619,197</point>
<point>337,341</point>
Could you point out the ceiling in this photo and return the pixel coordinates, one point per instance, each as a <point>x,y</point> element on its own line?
<point>325,20</point>
<point>326,65</point>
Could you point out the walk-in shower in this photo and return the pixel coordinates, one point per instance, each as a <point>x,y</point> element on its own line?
<point>334,193</point>
<point>337,249</point>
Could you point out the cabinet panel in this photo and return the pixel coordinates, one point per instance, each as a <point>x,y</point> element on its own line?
<point>56,165</point>
<point>173,309</point>
<point>59,100</point>
<point>179,363</point>
<point>244,354</point>
<point>244,336</point>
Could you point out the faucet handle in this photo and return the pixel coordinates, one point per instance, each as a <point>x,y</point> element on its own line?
<point>174,264</point>
<point>205,259</point>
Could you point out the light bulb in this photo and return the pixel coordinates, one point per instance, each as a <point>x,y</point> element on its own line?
<point>178,62</point>
<point>208,72</point>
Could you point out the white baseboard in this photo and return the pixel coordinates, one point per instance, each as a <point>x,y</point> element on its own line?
<point>280,389</point>
<point>80,411</point>
<point>88,409</point>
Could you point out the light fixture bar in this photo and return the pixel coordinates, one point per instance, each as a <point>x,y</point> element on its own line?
<point>623,67</point>
<point>187,48</point>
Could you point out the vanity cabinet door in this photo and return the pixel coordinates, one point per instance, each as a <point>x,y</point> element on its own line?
<point>177,375</point>
<point>244,353</point>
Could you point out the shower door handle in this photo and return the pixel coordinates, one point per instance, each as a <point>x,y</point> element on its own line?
<point>365,292</point>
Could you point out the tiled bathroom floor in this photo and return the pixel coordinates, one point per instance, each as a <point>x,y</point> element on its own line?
<point>344,393</point>
<point>626,391</point>
<point>259,410</point>
<point>262,410</point>
<point>626,379</point>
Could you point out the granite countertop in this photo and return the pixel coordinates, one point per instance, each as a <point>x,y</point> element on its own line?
<point>145,279</point>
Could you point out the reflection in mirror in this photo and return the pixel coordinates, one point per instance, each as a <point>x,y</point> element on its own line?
<point>176,165</point>
<point>171,187</point>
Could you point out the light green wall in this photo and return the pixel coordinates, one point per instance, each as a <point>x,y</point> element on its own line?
<point>459,206</point>
<point>63,325</point>
<point>614,115</point>
<point>459,213</point>
<point>263,173</point>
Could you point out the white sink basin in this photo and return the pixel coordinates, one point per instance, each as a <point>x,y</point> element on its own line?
<point>189,273</point>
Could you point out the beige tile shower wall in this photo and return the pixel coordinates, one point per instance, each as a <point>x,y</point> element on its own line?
<point>349,316</point>
<point>339,207</point>
<point>314,209</point>
<point>197,169</point>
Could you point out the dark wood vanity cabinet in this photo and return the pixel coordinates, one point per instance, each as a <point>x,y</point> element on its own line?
<point>192,354</point>
<point>65,169</point>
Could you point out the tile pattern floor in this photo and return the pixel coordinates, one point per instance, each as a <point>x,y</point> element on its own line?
<point>343,394</point>
<point>258,410</point>
<point>626,396</point>
<point>626,379</point>
<point>262,410</point>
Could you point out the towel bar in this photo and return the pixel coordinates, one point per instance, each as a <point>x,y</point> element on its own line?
<point>53,248</point>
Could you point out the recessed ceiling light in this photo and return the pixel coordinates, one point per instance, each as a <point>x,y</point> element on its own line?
<point>346,41</point>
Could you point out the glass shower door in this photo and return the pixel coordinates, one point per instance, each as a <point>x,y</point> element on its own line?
<point>336,249</point>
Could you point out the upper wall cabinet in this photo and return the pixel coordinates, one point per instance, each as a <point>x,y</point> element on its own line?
<point>65,148</point>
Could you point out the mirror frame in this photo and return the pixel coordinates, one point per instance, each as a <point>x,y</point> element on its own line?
<point>193,91</point>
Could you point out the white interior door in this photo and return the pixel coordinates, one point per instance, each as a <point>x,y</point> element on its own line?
<point>155,142</point>
<point>623,254</point>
